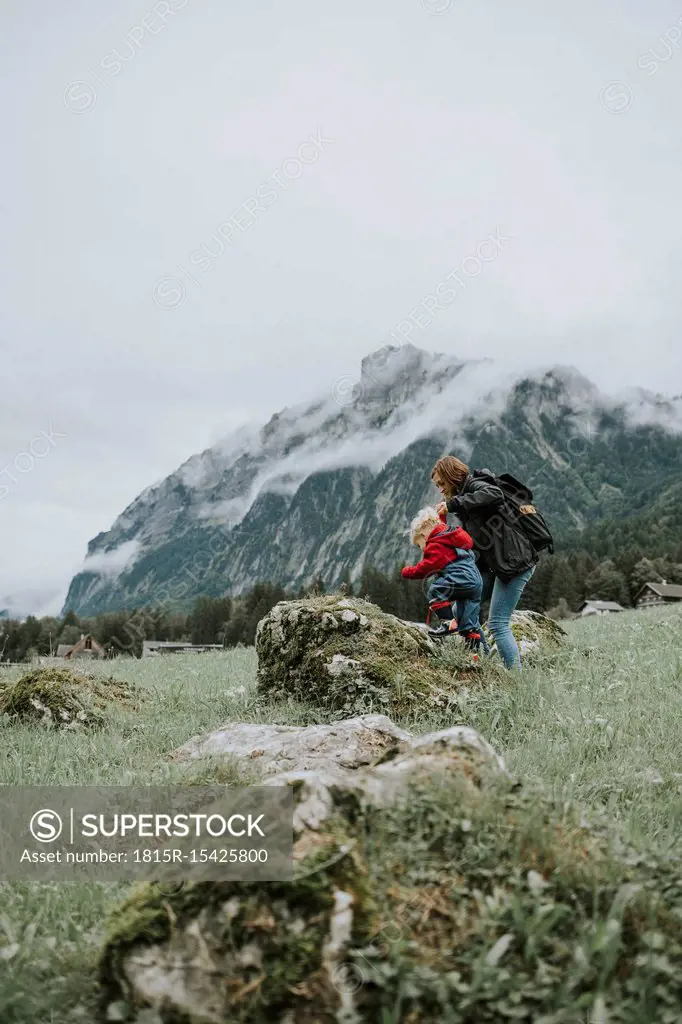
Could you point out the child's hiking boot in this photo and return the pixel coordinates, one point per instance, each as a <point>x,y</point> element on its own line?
<point>444,629</point>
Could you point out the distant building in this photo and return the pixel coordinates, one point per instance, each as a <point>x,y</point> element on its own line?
<point>87,647</point>
<point>153,648</point>
<point>600,608</point>
<point>656,594</point>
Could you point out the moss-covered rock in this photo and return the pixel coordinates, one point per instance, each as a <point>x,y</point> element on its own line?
<point>534,632</point>
<point>455,898</point>
<point>279,948</point>
<point>346,655</point>
<point>229,952</point>
<point>65,698</point>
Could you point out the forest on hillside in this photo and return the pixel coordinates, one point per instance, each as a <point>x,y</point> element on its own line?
<point>561,583</point>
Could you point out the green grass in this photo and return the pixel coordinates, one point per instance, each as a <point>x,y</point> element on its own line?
<point>597,724</point>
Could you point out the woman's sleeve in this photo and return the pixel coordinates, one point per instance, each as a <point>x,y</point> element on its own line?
<point>481,494</point>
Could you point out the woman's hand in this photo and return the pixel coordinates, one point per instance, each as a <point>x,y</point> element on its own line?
<point>442,508</point>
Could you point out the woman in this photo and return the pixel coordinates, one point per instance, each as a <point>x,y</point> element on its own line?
<point>506,559</point>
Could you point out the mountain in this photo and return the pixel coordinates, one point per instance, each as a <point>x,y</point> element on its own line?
<point>330,485</point>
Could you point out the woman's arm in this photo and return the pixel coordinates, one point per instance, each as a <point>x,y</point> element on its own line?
<point>481,494</point>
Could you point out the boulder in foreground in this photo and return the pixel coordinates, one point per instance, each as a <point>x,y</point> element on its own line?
<point>426,888</point>
<point>270,949</point>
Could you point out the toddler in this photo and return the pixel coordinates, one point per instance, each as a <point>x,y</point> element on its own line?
<point>449,558</point>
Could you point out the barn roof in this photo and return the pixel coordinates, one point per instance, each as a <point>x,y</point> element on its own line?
<point>673,590</point>
<point>603,606</point>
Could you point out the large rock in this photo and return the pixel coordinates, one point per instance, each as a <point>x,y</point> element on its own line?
<point>351,743</point>
<point>426,888</point>
<point>345,654</point>
<point>275,951</point>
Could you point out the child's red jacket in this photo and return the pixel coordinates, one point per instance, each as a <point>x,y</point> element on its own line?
<point>439,550</point>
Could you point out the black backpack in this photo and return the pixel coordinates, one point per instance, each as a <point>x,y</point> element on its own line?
<point>520,510</point>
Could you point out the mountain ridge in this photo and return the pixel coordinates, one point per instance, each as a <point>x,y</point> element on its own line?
<point>329,485</point>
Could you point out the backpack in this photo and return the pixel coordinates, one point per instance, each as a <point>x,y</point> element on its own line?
<point>523,513</point>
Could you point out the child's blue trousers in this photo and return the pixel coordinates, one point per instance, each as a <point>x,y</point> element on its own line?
<point>458,583</point>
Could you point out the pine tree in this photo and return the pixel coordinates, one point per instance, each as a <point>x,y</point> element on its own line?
<point>606,583</point>
<point>644,572</point>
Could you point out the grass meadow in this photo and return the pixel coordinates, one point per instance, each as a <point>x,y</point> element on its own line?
<point>598,724</point>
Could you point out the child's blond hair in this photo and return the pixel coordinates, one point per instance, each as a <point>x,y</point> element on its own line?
<point>425,517</point>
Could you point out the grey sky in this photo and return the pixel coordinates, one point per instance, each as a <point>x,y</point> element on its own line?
<point>446,128</point>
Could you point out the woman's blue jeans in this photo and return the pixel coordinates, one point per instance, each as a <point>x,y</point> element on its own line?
<point>504,598</point>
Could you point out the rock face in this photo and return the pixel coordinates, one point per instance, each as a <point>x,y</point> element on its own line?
<point>346,655</point>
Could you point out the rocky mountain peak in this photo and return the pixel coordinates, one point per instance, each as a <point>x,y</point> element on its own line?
<point>399,371</point>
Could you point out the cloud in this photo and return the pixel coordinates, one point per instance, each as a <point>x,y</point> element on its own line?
<point>373,430</point>
<point>646,408</point>
<point>111,563</point>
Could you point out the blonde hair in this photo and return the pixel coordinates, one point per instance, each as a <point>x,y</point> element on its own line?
<point>423,518</point>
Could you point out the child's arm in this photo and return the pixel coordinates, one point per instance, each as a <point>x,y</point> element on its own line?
<point>431,562</point>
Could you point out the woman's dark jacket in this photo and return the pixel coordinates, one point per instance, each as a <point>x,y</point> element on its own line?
<point>480,505</point>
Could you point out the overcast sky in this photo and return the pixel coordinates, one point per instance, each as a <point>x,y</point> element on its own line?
<point>135,132</point>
